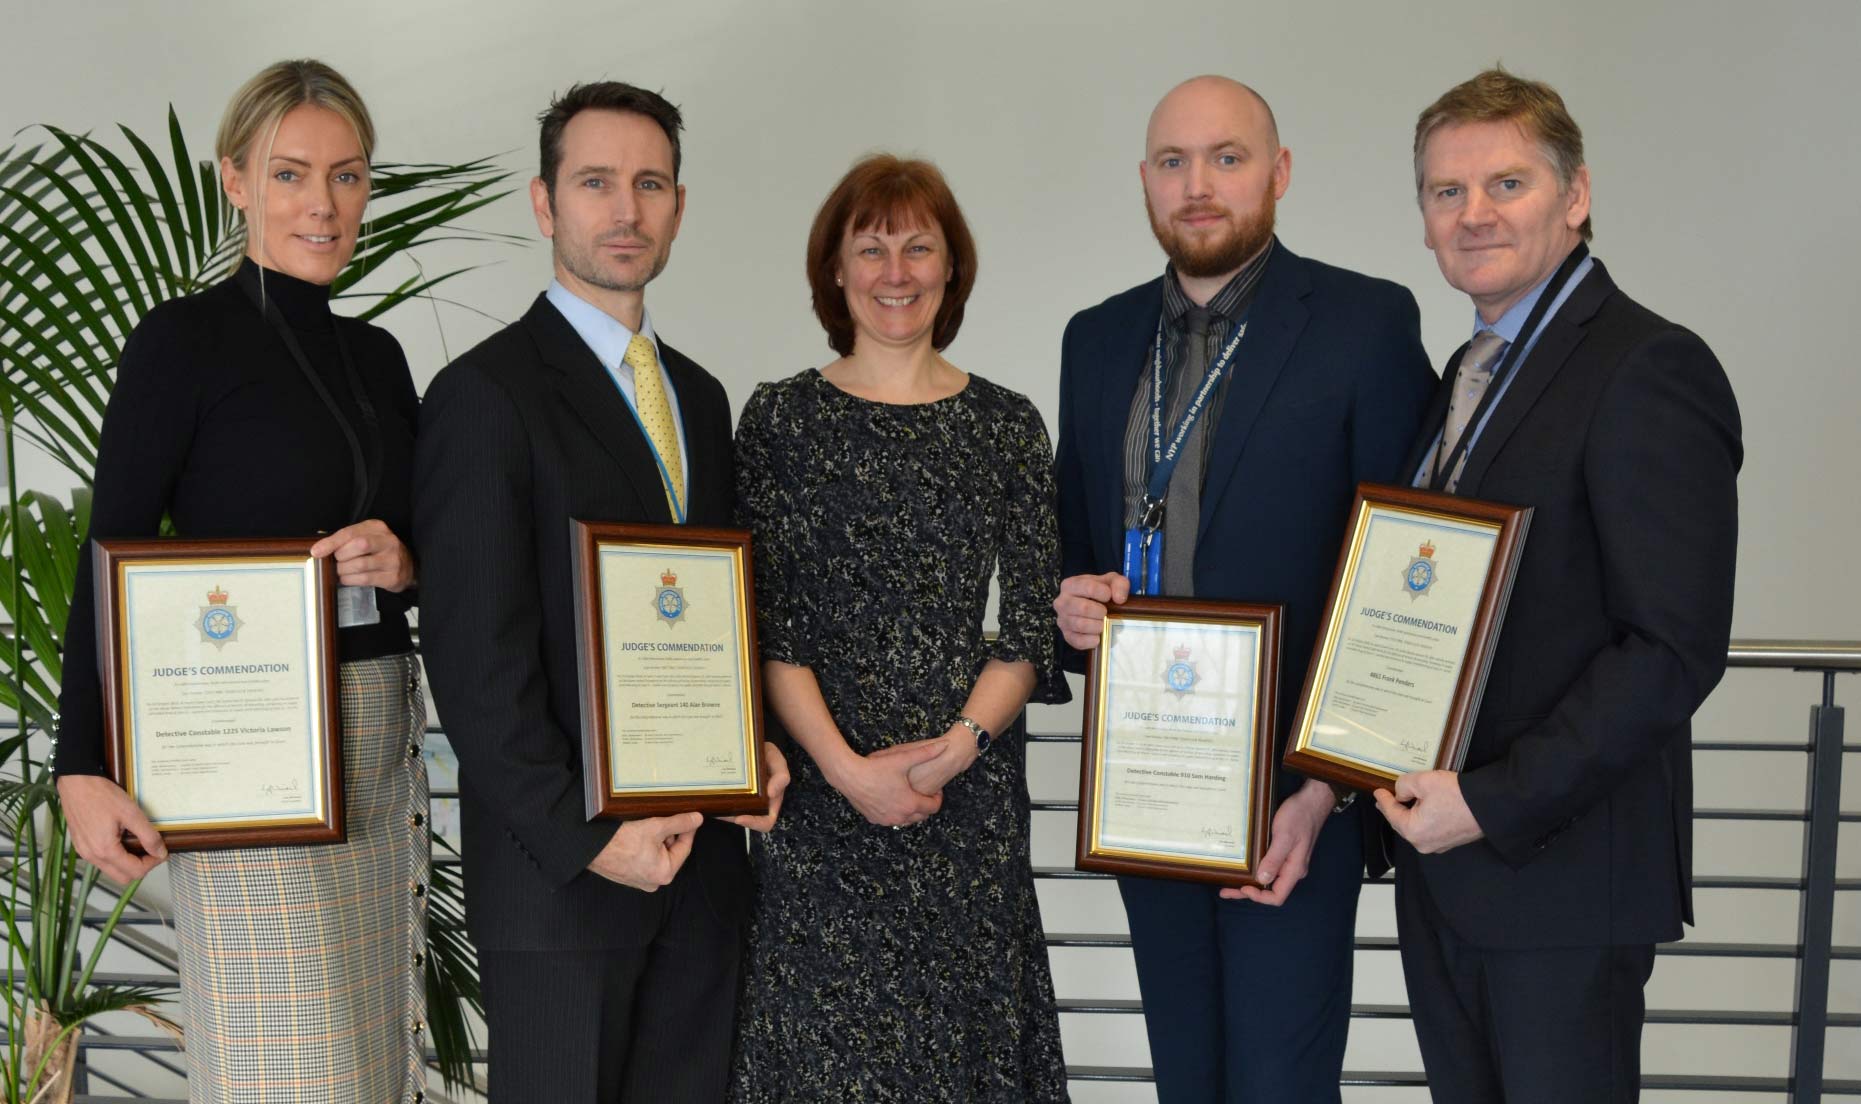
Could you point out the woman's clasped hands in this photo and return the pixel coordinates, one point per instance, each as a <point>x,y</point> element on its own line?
<point>903,784</point>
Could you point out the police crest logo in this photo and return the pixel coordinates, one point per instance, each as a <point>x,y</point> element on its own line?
<point>668,598</point>
<point>1420,574</point>
<point>1180,676</point>
<point>219,623</point>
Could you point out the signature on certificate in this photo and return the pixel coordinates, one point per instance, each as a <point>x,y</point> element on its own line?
<point>291,790</point>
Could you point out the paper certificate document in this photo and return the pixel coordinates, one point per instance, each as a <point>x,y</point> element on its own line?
<point>1402,639</point>
<point>1176,756</point>
<point>678,696</point>
<point>222,692</point>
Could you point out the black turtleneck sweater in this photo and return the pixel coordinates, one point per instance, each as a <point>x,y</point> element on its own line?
<point>213,423</point>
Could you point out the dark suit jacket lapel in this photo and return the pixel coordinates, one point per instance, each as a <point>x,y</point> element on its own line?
<point>1124,357</point>
<point>588,390</point>
<point>1274,323</point>
<point>704,480</point>
<point>1563,332</point>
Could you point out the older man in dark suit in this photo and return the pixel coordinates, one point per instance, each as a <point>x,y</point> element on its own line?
<point>1533,885</point>
<point>1244,1000</point>
<point>609,953</point>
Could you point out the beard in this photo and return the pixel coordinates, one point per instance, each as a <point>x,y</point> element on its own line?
<point>1201,256</point>
<point>584,261</point>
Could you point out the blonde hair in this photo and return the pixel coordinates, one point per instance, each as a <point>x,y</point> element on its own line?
<point>1498,96</point>
<point>262,102</point>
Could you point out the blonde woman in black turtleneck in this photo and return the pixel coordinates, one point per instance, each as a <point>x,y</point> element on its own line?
<point>300,966</point>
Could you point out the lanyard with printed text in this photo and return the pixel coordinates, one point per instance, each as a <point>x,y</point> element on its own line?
<point>1143,543</point>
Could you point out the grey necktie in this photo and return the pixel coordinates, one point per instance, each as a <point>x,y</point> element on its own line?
<point>1471,380</point>
<point>1182,502</point>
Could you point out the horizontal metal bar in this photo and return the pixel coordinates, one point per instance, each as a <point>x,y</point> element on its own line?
<point>1053,737</point>
<point>1407,1080</point>
<point>1073,738</point>
<point>1797,816</point>
<point>1682,949</point>
<point>124,977</point>
<point>158,1044</point>
<point>1086,1006</point>
<point>1801,655</point>
<point>1700,881</point>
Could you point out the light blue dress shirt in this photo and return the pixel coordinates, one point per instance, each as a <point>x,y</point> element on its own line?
<point>1508,327</point>
<point>608,340</point>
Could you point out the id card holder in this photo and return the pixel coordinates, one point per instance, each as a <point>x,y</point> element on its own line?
<point>355,605</point>
<point>1143,559</point>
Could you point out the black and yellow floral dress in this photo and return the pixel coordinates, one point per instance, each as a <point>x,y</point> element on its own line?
<point>899,964</point>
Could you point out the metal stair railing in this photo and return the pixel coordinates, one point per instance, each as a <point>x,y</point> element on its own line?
<point>1813,951</point>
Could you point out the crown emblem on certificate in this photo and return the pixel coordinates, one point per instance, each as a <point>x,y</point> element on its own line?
<point>1180,677</point>
<point>1420,574</point>
<point>218,623</point>
<point>669,598</point>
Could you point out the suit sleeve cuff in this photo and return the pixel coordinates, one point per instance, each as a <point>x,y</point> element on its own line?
<point>1517,843</point>
<point>564,842</point>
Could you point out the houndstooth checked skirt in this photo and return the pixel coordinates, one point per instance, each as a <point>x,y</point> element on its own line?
<point>301,967</point>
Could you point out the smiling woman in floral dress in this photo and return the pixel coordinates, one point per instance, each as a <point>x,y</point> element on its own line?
<point>896,951</point>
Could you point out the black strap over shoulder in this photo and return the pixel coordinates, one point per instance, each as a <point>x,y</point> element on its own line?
<point>365,467</point>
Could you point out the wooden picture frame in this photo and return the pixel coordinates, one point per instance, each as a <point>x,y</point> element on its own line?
<point>1399,667</point>
<point>695,723</point>
<point>1162,761</point>
<point>222,750</point>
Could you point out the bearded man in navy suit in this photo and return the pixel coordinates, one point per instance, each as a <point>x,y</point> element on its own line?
<point>1246,993</point>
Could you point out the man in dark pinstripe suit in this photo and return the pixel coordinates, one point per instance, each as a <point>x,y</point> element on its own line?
<point>609,956</point>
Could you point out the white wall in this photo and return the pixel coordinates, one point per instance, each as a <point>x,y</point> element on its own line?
<point>1719,136</point>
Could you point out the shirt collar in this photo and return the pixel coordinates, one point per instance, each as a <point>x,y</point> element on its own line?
<point>1511,322</point>
<point>1229,302</point>
<point>605,336</point>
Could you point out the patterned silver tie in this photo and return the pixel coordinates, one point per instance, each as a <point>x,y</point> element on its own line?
<point>1471,380</point>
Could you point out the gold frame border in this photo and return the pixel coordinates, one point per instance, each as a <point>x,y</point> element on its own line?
<point>304,565</point>
<point>739,585</point>
<point>1321,668</point>
<point>1099,700</point>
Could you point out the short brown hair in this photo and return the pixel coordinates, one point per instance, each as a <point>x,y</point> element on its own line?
<point>888,192</point>
<point>1498,96</point>
<point>602,96</point>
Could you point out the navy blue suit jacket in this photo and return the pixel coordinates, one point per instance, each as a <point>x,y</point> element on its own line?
<point>1621,431</point>
<point>1329,388</point>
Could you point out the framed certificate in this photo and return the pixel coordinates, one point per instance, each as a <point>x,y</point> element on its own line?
<point>1408,635</point>
<point>220,686</point>
<point>665,619</point>
<point>1177,780</point>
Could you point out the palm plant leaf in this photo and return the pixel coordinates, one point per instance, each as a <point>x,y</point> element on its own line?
<point>41,538</point>
<point>451,973</point>
<point>90,241</point>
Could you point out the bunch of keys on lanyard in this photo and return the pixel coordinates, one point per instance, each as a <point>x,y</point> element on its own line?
<point>1143,542</point>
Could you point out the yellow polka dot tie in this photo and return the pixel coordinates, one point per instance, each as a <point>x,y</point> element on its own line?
<point>649,400</point>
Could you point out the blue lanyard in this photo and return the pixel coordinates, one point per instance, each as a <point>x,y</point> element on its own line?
<point>1445,465</point>
<point>1163,461</point>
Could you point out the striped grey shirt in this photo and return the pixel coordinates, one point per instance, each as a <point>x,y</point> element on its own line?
<point>1227,305</point>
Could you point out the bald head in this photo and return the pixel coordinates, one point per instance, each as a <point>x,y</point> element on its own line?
<point>1213,169</point>
<point>1205,102</point>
